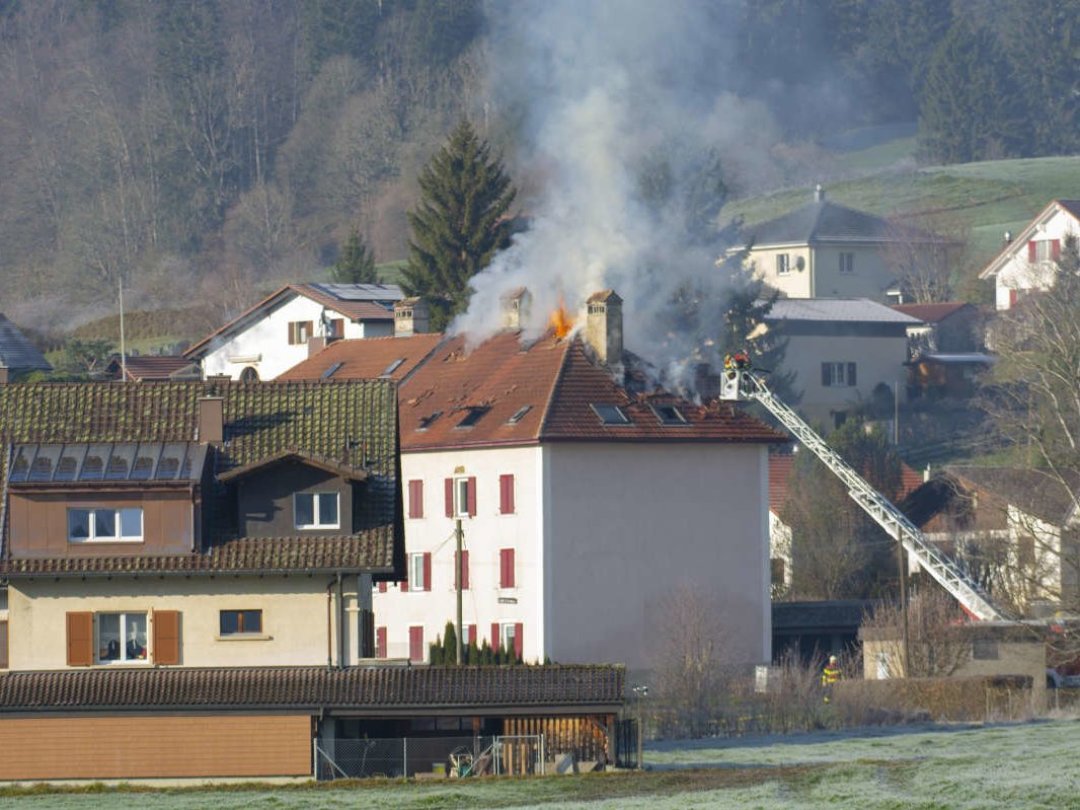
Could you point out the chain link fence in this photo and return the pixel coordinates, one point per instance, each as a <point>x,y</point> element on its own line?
<point>454,757</point>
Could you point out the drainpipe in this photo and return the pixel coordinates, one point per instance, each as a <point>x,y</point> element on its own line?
<point>341,620</point>
<point>329,624</point>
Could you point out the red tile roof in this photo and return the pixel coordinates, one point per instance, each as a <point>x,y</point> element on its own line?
<point>142,368</point>
<point>365,359</point>
<point>372,689</point>
<point>781,466</point>
<point>354,310</point>
<point>931,313</point>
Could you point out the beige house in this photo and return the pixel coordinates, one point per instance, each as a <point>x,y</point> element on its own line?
<point>826,250</point>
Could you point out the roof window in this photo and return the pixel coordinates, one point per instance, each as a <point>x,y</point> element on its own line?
<point>427,421</point>
<point>326,375</point>
<point>669,415</point>
<point>610,414</point>
<point>519,414</point>
<point>472,416</point>
<point>390,369</point>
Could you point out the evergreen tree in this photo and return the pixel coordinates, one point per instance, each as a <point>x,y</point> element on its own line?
<point>450,644</point>
<point>970,109</point>
<point>459,223</point>
<point>355,264</point>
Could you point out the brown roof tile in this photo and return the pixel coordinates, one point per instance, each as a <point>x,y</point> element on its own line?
<point>365,359</point>
<point>573,688</point>
<point>150,368</point>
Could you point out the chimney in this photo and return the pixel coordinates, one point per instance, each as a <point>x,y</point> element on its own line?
<point>5,374</point>
<point>819,193</point>
<point>603,327</point>
<point>411,317</point>
<point>211,427</point>
<point>315,345</point>
<point>515,308</point>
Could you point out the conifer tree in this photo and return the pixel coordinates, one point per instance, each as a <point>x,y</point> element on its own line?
<point>356,264</point>
<point>459,224</point>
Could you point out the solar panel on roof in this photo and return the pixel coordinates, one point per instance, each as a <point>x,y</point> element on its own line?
<point>362,292</point>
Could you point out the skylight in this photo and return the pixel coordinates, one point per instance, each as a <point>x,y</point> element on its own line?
<point>390,369</point>
<point>669,415</point>
<point>610,414</point>
<point>519,414</point>
<point>426,421</point>
<point>326,375</point>
<point>472,416</point>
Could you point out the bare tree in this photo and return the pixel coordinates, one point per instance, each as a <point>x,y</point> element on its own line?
<point>937,642</point>
<point>922,253</point>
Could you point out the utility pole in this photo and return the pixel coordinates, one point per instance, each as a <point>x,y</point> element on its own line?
<point>123,350</point>
<point>457,586</point>
<point>902,563</point>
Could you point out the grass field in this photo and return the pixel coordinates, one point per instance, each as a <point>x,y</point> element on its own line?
<point>1031,765</point>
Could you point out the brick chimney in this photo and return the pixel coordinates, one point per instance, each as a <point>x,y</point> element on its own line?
<point>603,327</point>
<point>515,308</point>
<point>211,427</point>
<point>411,317</point>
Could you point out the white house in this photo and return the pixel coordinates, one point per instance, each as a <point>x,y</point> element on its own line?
<point>585,507</point>
<point>843,353</point>
<point>826,250</point>
<point>1027,262</point>
<point>273,335</point>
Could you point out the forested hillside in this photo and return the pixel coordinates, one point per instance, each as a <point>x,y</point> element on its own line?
<point>200,150</point>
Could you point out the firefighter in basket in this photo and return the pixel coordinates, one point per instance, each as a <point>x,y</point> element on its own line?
<point>739,361</point>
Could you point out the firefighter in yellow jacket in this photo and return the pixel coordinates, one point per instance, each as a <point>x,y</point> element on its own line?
<point>830,675</point>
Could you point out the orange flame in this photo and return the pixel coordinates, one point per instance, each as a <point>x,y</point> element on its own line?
<point>561,322</point>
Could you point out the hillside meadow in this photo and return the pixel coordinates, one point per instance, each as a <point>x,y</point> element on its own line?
<point>1030,765</point>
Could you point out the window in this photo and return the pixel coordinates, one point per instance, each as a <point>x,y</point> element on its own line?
<point>416,643</point>
<point>506,494</point>
<point>469,636</point>
<point>472,416</point>
<point>300,332</point>
<point>783,264</point>
<point>508,636</point>
<point>847,262</point>
<point>427,421</point>
<point>335,328</point>
<point>331,370</point>
<point>416,499</point>
<point>1044,250</point>
<point>882,666</point>
<point>121,637</point>
<point>249,375</point>
<point>105,525</point>
<point>776,570</point>
<point>464,570</point>
<point>838,375</point>
<point>316,510</point>
<point>390,369</point>
<point>506,568</point>
<point>461,497</point>
<point>236,622</point>
<point>419,576</point>
<point>610,414</point>
<point>669,415</point>
<point>519,414</point>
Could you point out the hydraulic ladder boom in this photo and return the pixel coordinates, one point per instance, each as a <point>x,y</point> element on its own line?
<point>740,383</point>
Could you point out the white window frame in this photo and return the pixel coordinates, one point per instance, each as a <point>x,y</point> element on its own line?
<point>1044,250</point>
<point>783,264</point>
<point>126,634</point>
<point>415,574</point>
<point>461,497</point>
<point>118,520</point>
<point>838,376</point>
<point>317,522</point>
<point>847,263</point>
<point>507,631</point>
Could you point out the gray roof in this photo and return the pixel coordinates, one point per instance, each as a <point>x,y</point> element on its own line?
<point>18,353</point>
<point>857,310</point>
<point>824,221</point>
<point>1034,491</point>
<point>360,292</point>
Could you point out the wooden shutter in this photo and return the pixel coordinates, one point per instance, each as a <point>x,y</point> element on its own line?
<point>80,639</point>
<point>506,494</point>
<point>166,640</point>
<point>427,570</point>
<point>1055,249</point>
<point>1012,298</point>
<point>380,642</point>
<point>472,635</point>
<point>382,587</point>
<point>449,497</point>
<point>494,635</point>
<point>309,330</point>
<point>338,327</point>
<point>291,328</point>
<point>519,636</point>
<point>416,499</point>
<point>367,622</point>
<point>464,570</point>
<point>1031,252</point>
<point>851,374</point>
<point>506,568</point>
<point>404,584</point>
<point>416,643</point>
<point>470,497</point>
<point>4,662</point>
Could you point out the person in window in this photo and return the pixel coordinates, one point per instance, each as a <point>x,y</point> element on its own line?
<point>112,650</point>
<point>135,650</point>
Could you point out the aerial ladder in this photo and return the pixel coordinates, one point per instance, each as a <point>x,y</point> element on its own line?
<point>740,382</point>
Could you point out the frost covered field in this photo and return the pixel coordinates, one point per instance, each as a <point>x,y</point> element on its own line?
<point>1033,765</point>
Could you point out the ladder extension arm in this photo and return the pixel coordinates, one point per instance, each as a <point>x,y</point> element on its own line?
<point>948,574</point>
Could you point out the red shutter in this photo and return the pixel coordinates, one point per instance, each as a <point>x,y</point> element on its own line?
<point>338,326</point>
<point>416,643</point>
<point>519,635</point>
<point>416,499</point>
<point>404,584</point>
<point>427,570</point>
<point>4,663</point>
<point>506,568</point>
<point>80,639</point>
<point>166,637</point>
<point>380,642</point>
<point>449,497</point>
<point>472,635</point>
<point>494,635</point>
<point>464,570</point>
<point>1055,249</point>
<point>382,587</point>
<point>1031,252</point>
<point>470,497</point>
<point>506,494</point>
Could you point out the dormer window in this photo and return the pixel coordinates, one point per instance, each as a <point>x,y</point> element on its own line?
<point>105,525</point>
<point>472,416</point>
<point>92,468</point>
<point>519,414</point>
<point>669,415</point>
<point>610,414</point>
<point>316,510</point>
